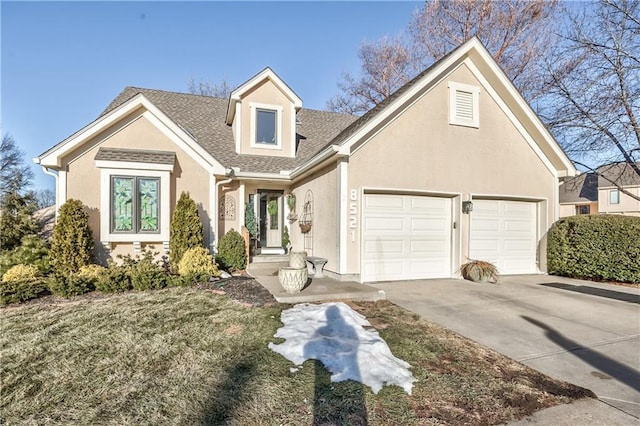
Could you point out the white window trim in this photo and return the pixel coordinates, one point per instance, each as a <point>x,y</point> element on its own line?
<point>253,106</point>
<point>105,205</point>
<point>611,192</point>
<point>475,92</point>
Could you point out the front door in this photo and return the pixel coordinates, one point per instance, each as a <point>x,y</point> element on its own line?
<point>271,219</point>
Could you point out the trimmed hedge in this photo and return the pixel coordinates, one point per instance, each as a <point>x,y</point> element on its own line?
<point>232,253</point>
<point>598,247</point>
<point>20,290</point>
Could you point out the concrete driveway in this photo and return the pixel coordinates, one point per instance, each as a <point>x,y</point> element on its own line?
<point>578,331</point>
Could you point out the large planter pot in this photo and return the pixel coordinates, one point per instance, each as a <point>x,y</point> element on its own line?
<point>298,259</point>
<point>293,280</point>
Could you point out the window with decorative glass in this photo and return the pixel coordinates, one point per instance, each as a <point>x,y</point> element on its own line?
<point>135,204</point>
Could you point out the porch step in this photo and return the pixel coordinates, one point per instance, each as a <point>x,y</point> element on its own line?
<point>269,258</point>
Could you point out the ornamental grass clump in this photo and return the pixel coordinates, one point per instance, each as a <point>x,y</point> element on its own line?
<point>479,271</point>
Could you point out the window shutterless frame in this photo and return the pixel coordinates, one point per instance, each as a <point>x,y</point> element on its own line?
<point>134,205</point>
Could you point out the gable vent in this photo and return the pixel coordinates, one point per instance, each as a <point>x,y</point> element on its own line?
<point>464,105</point>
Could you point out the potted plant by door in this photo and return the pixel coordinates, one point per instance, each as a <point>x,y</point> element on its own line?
<point>479,271</point>
<point>286,241</point>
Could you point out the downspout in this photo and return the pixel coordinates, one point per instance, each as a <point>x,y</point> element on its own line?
<point>217,206</point>
<point>55,176</point>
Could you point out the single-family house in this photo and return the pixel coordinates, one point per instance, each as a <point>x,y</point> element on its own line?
<point>604,191</point>
<point>453,165</point>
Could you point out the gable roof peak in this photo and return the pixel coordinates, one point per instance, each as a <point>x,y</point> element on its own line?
<point>266,74</point>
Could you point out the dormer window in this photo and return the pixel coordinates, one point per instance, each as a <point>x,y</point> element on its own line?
<point>266,126</point>
<point>266,132</point>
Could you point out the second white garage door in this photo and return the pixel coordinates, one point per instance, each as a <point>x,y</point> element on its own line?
<point>405,237</point>
<point>504,232</point>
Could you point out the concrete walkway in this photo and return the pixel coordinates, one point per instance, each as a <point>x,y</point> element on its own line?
<point>582,332</point>
<point>317,290</point>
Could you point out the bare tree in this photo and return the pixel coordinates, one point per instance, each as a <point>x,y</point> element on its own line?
<point>201,87</point>
<point>516,32</point>
<point>15,175</point>
<point>45,197</point>
<point>593,103</point>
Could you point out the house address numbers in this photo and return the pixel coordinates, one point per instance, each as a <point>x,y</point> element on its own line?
<point>353,213</point>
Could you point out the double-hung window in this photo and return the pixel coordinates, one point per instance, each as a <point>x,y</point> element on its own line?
<point>614,196</point>
<point>135,204</point>
<point>266,126</point>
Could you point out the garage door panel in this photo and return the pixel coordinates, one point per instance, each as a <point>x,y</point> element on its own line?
<point>428,225</point>
<point>373,249</point>
<point>517,245</point>
<point>524,226</point>
<point>406,237</point>
<point>428,247</point>
<point>504,232</point>
<point>381,270</point>
<point>388,202</point>
<point>384,224</point>
<point>486,225</point>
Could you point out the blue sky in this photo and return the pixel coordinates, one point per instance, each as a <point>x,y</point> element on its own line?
<point>63,62</point>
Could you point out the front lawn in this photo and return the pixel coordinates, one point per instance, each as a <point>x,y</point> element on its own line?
<point>190,356</point>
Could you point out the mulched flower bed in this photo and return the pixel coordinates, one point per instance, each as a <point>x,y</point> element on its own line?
<point>243,289</point>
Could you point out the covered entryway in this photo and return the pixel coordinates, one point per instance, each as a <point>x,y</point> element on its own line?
<point>504,232</point>
<point>405,237</point>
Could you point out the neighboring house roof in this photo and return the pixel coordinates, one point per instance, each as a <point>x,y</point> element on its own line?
<point>135,155</point>
<point>620,173</point>
<point>203,117</point>
<point>579,189</point>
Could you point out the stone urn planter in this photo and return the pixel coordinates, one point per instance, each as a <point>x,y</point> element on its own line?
<point>298,259</point>
<point>293,280</point>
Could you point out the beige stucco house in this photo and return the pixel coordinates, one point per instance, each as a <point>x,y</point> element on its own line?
<point>454,165</point>
<point>605,191</point>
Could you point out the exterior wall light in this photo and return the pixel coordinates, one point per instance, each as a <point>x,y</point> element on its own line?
<point>467,207</point>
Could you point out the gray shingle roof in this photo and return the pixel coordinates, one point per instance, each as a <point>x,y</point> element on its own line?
<point>135,155</point>
<point>621,173</point>
<point>579,189</point>
<point>204,118</point>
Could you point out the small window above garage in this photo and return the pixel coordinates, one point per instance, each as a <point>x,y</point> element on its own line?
<point>464,105</point>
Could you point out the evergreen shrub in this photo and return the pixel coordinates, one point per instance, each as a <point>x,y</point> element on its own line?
<point>198,261</point>
<point>232,253</point>
<point>597,247</point>
<point>72,242</point>
<point>186,229</point>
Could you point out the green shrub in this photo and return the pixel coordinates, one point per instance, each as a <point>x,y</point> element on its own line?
<point>20,290</point>
<point>599,247</point>
<point>114,279</point>
<point>92,272</point>
<point>16,220</point>
<point>32,251</point>
<point>72,243</point>
<point>186,229</point>
<point>70,285</point>
<point>232,253</point>
<point>198,261</point>
<point>146,273</point>
<point>184,281</point>
<point>21,273</point>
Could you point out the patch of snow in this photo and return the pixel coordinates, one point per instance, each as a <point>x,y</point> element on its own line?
<point>334,334</point>
<point>224,275</point>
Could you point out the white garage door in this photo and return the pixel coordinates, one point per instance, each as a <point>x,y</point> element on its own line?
<point>504,233</point>
<point>405,237</point>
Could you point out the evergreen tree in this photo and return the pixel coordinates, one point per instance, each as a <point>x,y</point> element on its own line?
<point>72,242</point>
<point>16,221</point>
<point>186,229</point>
